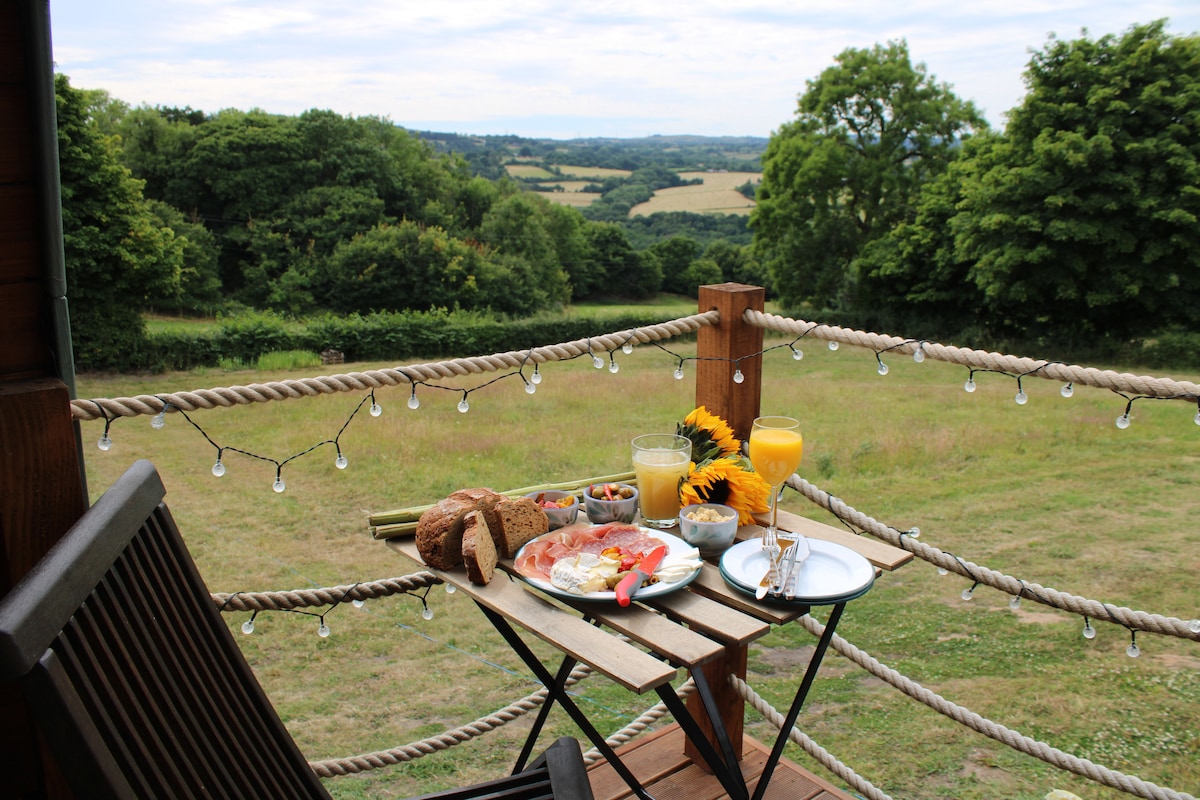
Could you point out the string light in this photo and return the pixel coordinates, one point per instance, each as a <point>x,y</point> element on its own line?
<point>1067,390</point>
<point>160,419</point>
<point>833,345</point>
<point>919,354</point>
<point>1088,631</point>
<point>738,377</point>
<point>969,592</point>
<point>341,462</point>
<point>536,377</point>
<point>1133,651</point>
<point>679,373</point>
<point>218,468</point>
<point>248,625</point>
<point>463,405</point>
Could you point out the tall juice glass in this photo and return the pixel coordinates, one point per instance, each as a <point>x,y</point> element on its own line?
<point>776,448</point>
<point>660,461</point>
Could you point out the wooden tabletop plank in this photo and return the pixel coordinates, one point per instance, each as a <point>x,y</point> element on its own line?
<point>881,554</point>
<point>664,637</point>
<point>711,617</point>
<point>634,669</point>
<point>710,584</point>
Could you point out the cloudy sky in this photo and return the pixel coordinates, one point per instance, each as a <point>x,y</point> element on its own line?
<point>555,68</point>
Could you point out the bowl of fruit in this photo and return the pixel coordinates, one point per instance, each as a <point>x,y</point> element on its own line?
<point>610,502</point>
<point>560,507</point>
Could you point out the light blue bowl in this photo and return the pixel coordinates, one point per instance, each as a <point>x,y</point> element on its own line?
<point>602,511</point>
<point>709,537</point>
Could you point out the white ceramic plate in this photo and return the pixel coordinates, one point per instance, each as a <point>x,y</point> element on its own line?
<point>675,546</point>
<point>831,571</point>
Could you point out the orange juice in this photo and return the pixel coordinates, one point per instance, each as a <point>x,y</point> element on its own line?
<point>776,453</point>
<point>658,475</point>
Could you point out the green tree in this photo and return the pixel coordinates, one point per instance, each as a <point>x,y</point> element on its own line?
<point>870,131</point>
<point>199,287</point>
<point>118,253</point>
<point>1086,218</point>
<point>517,226</point>
<point>625,272</point>
<point>674,256</point>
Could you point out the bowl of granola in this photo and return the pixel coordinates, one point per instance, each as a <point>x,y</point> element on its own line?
<point>710,527</point>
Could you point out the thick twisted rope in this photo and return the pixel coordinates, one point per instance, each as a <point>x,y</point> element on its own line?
<point>306,598</point>
<point>795,735</point>
<point>1127,617</point>
<point>1051,755</point>
<point>109,408</point>
<point>338,767</point>
<point>648,718</point>
<point>1120,382</point>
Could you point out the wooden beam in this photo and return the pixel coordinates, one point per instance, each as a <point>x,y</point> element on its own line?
<point>725,344</point>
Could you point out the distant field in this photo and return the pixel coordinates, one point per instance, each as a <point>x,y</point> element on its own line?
<point>717,195</point>
<point>527,171</point>
<point>592,172</point>
<point>575,199</point>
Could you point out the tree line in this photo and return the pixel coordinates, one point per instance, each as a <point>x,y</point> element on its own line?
<point>887,203</point>
<point>890,202</point>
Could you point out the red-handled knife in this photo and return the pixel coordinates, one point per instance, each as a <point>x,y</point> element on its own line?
<point>629,585</point>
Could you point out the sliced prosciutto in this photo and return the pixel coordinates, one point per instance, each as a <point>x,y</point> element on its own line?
<point>537,558</point>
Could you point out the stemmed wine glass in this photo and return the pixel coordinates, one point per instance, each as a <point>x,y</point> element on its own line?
<point>776,449</point>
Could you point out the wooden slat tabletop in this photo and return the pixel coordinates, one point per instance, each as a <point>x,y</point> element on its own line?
<point>634,669</point>
<point>711,617</point>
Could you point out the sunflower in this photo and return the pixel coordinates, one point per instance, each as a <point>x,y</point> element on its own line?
<point>728,481</point>
<point>711,436</point>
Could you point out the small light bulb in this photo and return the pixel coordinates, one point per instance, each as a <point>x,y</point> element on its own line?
<point>1123,421</point>
<point>969,386</point>
<point>919,355</point>
<point>323,630</point>
<point>613,367</point>
<point>413,402</point>
<point>943,571</point>
<point>530,388</point>
<point>463,406</point>
<point>159,421</point>
<point>597,362</point>
<point>248,627</point>
<point>1088,631</point>
<point>1133,651</point>
<point>882,369</point>
<point>738,377</point>
<point>341,462</point>
<point>1015,602</point>
<point>278,485</point>
<point>627,348</point>
<point>968,593</point>
<point>451,588</point>
<point>797,355</point>
<point>1021,398</point>
<point>427,613</point>
<point>1194,626</point>
<point>218,469</point>
<point>358,603</point>
<point>678,377</point>
<point>914,532</point>
<point>105,443</point>
<point>1067,390</point>
<point>1196,419</point>
<point>833,345</point>
<point>376,409</point>
<point>536,377</point>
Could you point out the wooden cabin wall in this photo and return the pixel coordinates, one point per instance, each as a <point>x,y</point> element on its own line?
<point>42,490</point>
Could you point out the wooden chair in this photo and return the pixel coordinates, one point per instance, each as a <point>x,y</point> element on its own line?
<point>140,690</point>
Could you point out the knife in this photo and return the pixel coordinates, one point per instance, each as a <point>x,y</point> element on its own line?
<point>771,582</point>
<point>796,556</point>
<point>633,581</point>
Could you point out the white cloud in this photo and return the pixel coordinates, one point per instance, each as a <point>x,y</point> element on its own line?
<point>676,66</point>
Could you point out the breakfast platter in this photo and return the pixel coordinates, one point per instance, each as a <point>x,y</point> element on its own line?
<point>536,559</point>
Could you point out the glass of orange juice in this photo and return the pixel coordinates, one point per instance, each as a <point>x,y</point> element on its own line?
<point>660,461</point>
<point>776,448</point>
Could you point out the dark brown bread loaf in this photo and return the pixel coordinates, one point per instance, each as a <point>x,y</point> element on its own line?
<point>439,530</point>
<point>478,549</point>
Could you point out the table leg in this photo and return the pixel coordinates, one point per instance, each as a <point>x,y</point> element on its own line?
<point>727,771</point>
<point>555,693</point>
<point>798,702</point>
<point>560,682</point>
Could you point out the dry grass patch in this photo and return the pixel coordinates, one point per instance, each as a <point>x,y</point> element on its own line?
<point>717,195</point>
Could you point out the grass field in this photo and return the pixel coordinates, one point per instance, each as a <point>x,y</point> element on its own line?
<point>1050,492</point>
<point>717,195</point>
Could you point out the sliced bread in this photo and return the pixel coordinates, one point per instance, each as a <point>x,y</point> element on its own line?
<point>440,528</point>
<point>519,521</point>
<point>478,548</point>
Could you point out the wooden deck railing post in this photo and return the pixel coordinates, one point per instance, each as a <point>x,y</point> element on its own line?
<point>722,348</point>
<point>736,345</point>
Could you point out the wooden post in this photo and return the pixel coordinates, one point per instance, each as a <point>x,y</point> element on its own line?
<point>733,342</point>
<point>722,348</point>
